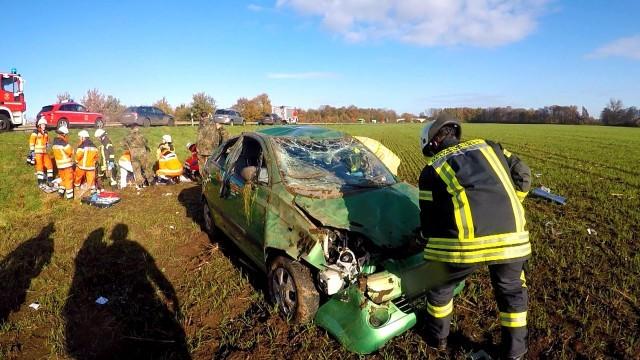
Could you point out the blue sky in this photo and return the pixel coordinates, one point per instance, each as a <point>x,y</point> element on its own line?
<point>407,55</point>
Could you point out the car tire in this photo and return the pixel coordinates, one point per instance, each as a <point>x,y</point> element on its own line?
<point>171,122</point>
<point>99,124</point>
<point>5,123</point>
<point>208,224</point>
<point>292,289</point>
<point>62,122</point>
<point>146,122</point>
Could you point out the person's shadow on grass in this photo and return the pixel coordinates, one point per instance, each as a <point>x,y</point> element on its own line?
<point>141,319</point>
<point>19,267</point>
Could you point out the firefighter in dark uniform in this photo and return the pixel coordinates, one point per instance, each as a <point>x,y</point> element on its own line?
<point>471,215</point>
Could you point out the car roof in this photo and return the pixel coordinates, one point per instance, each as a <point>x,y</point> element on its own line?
<point>314,132</point>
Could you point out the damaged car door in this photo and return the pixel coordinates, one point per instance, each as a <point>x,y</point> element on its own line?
<point>245,194</point>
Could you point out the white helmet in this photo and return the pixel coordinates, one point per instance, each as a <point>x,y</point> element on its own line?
<point>41,121</point>
<point>99,133</point>
<point>166,138</point>
<point>189,145</point>
<point>83,134</point>
<point>62,130</point>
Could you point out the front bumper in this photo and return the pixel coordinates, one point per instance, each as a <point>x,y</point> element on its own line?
<point>360,325</point>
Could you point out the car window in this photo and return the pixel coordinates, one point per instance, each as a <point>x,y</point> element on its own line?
<point>81,108</point>
<point>329,165</point>
<point>158,111</point>
<point>8,84</point>
<point>219,112</point>
<point>66,107</point>
<point>222,157</point>
<point>47,108</point>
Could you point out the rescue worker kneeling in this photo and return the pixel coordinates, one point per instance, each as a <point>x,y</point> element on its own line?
<point>63,154</point>
<point>86,158</point>
<point>471,215</point>
<point>169,167</point>
<point>191,169</point>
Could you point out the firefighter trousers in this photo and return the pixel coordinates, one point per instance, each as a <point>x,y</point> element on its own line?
<point>43,162</point>
<point>510,290</point>
<point>88,175</point>
<point>66,183</point>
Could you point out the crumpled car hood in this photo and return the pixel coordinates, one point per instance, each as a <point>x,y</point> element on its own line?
<point>387,216</point>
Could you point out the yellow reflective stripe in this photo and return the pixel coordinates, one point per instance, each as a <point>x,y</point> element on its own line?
<point>518,212</point>
<point>453,149</point>
<point>464,221</point>
<point>521,195</point>
<point>524,281</point>
<point>513,319</point>
<point>484,255</point>
<point>426,195</point>
<point>478,243</point>
<point>440,311</point>
<point>506,153</point>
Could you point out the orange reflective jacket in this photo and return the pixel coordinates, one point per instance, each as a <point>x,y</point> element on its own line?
<point>62,152</point>
<point>38,141</point>
<point>87,155</point>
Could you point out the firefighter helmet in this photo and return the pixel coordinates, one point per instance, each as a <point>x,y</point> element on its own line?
<point>83,134</point>
<point>99,133</point>
<point>431,129</point>
<point>166,139</point>
<point>62,130</point>
<point>41,121</point>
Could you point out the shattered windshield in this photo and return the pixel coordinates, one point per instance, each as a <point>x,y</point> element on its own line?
<point>330,165</point>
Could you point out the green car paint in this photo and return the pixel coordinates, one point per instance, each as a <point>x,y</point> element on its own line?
<point>388,226</point>
<point>263,218</point>
<point>360,325</point>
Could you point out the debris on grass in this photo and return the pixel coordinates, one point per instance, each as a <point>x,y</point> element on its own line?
<point>35,305</point>
<point>537,175</point>
<point>172,227</point>
<point>545,193</point>
<point>102,300</point>
<point>591,231</point>
<point>167,194</point>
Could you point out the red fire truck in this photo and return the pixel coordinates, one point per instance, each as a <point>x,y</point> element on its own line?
<point>12,104</point>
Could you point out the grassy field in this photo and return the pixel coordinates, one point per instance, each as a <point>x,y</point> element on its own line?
<point>175,293</point>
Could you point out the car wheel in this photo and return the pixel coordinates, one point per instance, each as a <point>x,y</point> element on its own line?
<point>146,122</point>
<point>5,123</point>
<point>99,124</point>
<point>172,122</point>
<point>63,122</point>
<point>291,288</point>
<point>208,223</point>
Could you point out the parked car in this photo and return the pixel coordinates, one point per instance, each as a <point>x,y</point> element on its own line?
<point>146,116</point>
<point>228,117</point>
<point>322,217</point>
<point>69,114</point>
<point>271,119</point>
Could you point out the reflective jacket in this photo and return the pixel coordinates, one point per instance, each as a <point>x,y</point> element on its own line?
<point>86,155</point>
<point>106,150</point>
<point>169,165</point>
<point>470,205</point>
<point>38,141</point>
<point>62,152</point>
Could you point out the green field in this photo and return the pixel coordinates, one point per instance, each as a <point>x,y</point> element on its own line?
<point>174,282</point>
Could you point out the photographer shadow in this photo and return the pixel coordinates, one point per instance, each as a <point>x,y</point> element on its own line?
<point>141,319</point>
<point>21,266</point>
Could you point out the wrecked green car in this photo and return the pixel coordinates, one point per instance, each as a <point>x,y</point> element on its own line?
<point>329,224</point>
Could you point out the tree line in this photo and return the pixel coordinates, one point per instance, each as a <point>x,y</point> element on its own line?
<point>255,108</point>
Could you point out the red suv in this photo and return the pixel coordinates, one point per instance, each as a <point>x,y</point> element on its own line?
<point>69,114</point>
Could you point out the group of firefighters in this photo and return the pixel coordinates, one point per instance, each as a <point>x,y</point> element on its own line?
<point>87,163</point>
<point>470,196</point>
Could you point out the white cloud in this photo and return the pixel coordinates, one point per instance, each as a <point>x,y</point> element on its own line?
<point>627,47</point>
<point>301,75</point>
<point>427,22</point>
<point>255,8</point>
